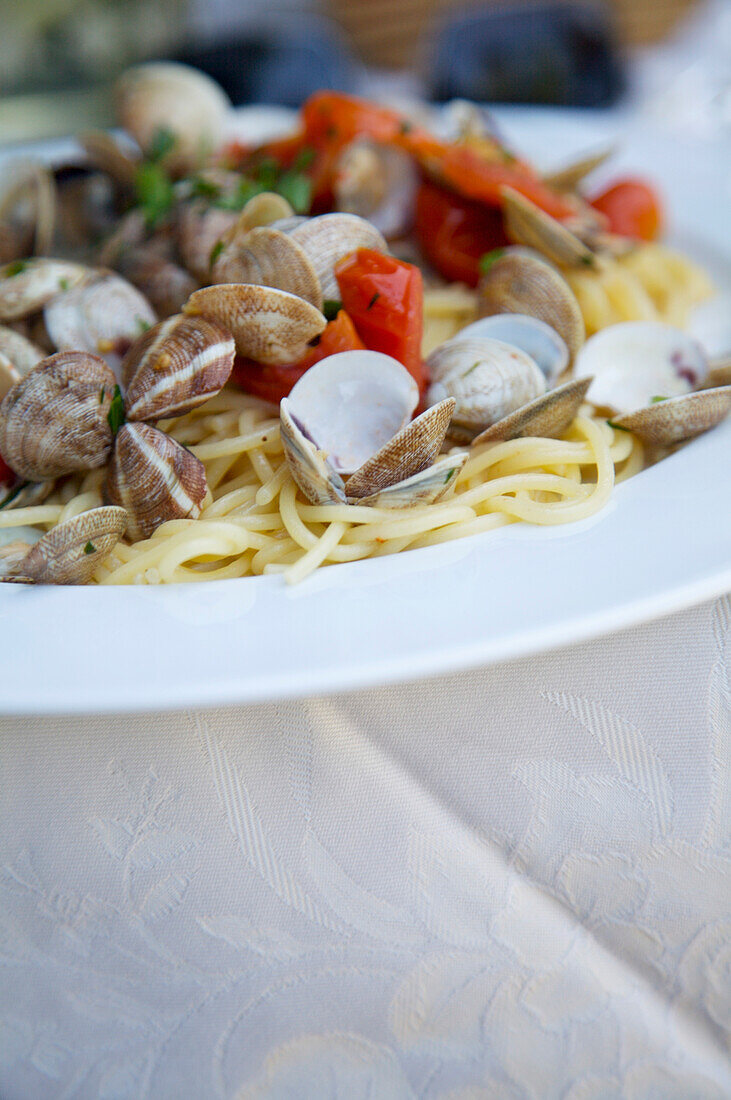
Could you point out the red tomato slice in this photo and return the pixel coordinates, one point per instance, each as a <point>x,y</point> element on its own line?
<point>384,297</point>
<point>454,233</point>
<point>633,208</point>
<point>274,383</point>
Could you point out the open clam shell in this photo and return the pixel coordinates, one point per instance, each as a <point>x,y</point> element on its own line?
<point>546,416</point>
<point>710,324</point>
<point>154,478</point>
<point>102,314</point>
<point>268,325</point>
<point>411,451</point>
<point>678,418</point>
<point>488,380</point>
<point>201,230</point>
<point>21,352</point>
<point>352,404</point>
<point>575,172</point>
<point>266,256</point>
<point>534,337</point>
<point>27,285</point>
<point>176,366</point>
<point>527,224</point>
<point>328,238</point>
<point>520,281</point>
<point>308,464</point>
<point>72,551</point>
<point>634,362</point>
<point>426,487</point>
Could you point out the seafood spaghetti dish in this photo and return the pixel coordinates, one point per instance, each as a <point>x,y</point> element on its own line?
<point>376,333</point>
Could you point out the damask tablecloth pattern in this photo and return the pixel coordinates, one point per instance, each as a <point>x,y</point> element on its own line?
<point>513,883</point>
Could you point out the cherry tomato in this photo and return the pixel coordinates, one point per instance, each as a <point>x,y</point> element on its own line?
<point>384,297</point>
<point>273,383</point>
<point>633,208</point>
<point>454,232</point>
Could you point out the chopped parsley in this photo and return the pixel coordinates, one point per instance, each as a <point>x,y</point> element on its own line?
<point>654,400</point>
<point>405,127</point>
<point>296,188</point>
<point>90,548</point>
<point>618,427</point>
<point>17,267</point>
<point>331,307</point>
<point>142,324</point>
<point>216,251</point>
<point>489,258</point>
<point>154,192</point>
<point>450,475</point>
<point>201,188</point>
<point>587,260</point>
<point>508,157</point>
<point>473,367</point>
<point>102,394</point>
<point>304,159</point>
<point>163,141</point>
<point>115,416</point>
<point>373,300</point>
<point>63,284</point>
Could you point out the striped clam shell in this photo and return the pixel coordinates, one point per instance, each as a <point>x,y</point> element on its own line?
<point>154,478</point>
<point>200,228</point>
<point>8,375</point>
<point>527,224</point>
<point>426,487</point>
<point>102,314</point>
<point>54,421</point>
<point>22,353</point>
<point>71,552</point>
<point>678,418</point>
<point>268,325</point>
<point>176,366</point>
<point>26,286</point>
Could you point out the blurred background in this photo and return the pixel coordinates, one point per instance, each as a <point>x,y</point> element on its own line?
<point>58,58</point>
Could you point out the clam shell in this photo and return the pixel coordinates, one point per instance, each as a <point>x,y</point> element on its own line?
<point>26,495</point>
<point>263,209</point>
<point>546,416</point>
<point>8,375</point>
<point>72,551</point>
<point>176,366</point>
<point>527,224</point>
<point>268,257</point>
<point>352,404</point>
<point>678,418</point>
<point>37,179</point>
<point>102,314</point>
<point>328,238</point>
<point>534,337</point>
<point>408,453</point>
<point>488,380</point>
<point>26,286</point>
<point>308,466</point>
<point>377,183</point>
<point>164,95</point>
<point>105,152</point>
<point>200,228</point>
<point>54,421</point>
<point>520,281</point>
<point>426,487</point>
<point>268,325</point>
<point>634,361</point>
<point>571,175</point>
<point>164,284</point>
<point>21,352</point>
<point>154,478</point>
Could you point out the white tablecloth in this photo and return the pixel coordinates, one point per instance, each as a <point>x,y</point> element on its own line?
<point>512,883</point>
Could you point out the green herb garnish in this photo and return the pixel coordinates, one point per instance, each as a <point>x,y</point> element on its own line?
<point>296,188</point>
<point>17,267</point>
<point>654,400</point>
<point>266,172</point>
<point>473,367</point>
<point>489,258</point>
<point>162,143</point>
<point>304,159</point>
<point>331,307</point>
<point>115,416</point>
<point>587,260</point>
<point>405,127</point>
<point>450,475</point>
<point>154,192</point>
<point>373,300</point>
<point>101,395</point>
<point>204,189</point>
<point>508,157</point>
<point>618,427</point>
<point>63,284</point>
<point>142,324</point>
<point>243,191</point>
<point>216,251</point>
<point>90,548</point>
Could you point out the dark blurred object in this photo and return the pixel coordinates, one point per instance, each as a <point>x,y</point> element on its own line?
<point>559,54</point>
<point>277,66</point>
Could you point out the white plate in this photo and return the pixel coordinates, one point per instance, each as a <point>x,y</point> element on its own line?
<point>663,543</point>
